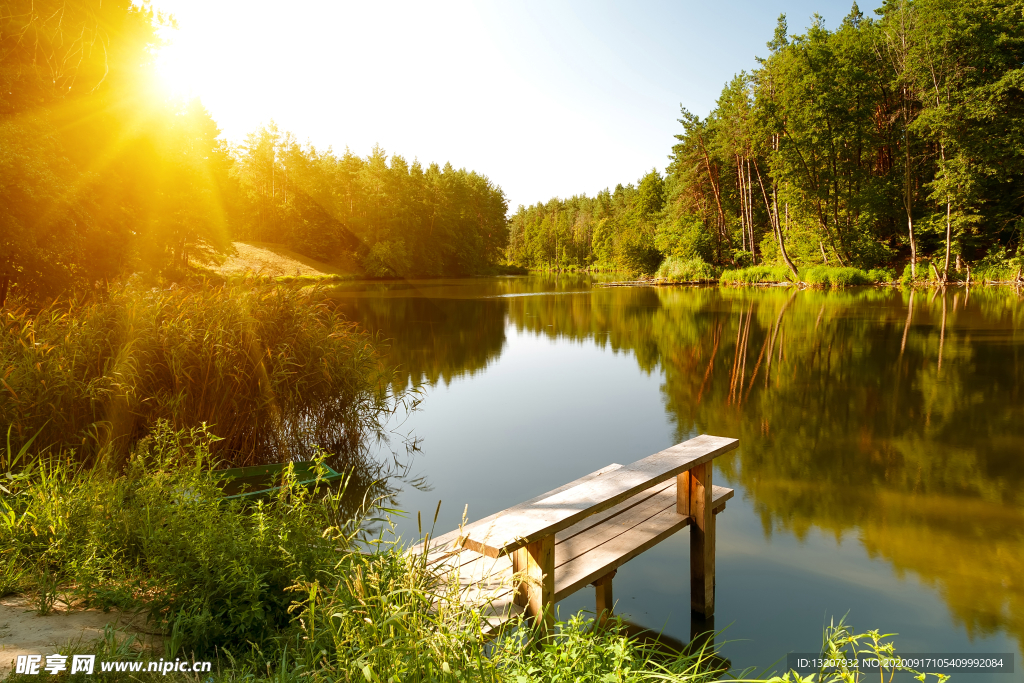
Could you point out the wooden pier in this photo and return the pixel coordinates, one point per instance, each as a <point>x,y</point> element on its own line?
<point>530,556</point>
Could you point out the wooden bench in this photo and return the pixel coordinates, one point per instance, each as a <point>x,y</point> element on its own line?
<point>526,558</point>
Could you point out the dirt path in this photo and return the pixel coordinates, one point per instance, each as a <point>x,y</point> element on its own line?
<point>23,632</point>
<point>275,260</point>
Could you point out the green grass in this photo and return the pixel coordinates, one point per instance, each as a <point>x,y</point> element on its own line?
<point>756,274</point>
<point>675,269</point>
<point>833,276</point>
<point>815,276</point>
<point>271,368</point>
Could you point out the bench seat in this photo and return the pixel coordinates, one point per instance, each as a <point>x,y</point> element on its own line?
<point>584,552</point>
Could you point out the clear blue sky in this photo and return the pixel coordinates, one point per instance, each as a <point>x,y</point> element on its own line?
<point>545,98</point>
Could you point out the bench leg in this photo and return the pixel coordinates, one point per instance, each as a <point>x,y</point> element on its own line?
<point>536,593</point>
<point>605,602</point>
<point>693,498</point>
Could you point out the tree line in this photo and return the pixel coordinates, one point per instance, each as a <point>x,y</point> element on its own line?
<point>101,174</point>
<point>888,141</point>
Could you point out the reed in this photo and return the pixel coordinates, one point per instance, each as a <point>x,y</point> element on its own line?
<point>272,369</point>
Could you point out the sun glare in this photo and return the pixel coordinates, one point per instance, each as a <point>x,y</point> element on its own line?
<point>175,68</point>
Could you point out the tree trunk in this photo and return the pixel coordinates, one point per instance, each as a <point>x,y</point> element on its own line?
<point>908,200</point>
<point>5,285</point>
<point>949,233</point>
<point>773,217</point>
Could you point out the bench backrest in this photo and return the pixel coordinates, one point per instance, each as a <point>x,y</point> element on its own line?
<point>523,524</point>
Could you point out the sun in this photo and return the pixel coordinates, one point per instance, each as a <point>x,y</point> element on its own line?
<point>175,67</point>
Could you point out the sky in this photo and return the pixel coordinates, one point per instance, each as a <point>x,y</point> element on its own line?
<point>545,98</point>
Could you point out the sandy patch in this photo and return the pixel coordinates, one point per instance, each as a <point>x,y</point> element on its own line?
<point>23,632</point>
<point>273,260</point>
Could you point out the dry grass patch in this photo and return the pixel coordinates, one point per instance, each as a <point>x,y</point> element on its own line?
<point>276,260</point>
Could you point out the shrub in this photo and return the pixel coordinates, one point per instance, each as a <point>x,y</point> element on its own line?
<point>272,369</point>
<point>690,270</point>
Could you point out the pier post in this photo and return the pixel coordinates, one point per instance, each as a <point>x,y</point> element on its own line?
<point>605,602</point>
<point>693,498</point>
<point>536,562</point>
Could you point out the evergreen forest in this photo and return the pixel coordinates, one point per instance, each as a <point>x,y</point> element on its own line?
<point>891,142</point>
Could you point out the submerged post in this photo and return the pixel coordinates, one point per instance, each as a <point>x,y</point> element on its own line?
<point>693,498</point>
<point>536,562</point>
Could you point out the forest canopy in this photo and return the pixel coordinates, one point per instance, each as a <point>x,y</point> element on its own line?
<point>881,143</point>
<point>888,142</point>
<point>102,174</point>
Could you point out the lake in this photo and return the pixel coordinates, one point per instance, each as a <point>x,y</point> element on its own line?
<point>880,472</point>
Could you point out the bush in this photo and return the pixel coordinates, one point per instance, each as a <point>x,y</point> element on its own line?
<point>690,270</point>
<point>272,369</point>
<point>755,274</point>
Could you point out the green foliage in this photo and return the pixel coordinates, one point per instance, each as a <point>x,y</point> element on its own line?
<point>396,220</point>
<point>685,238</point>
<point>864,146</point>
<point>841,645</point>
<point>691,270</point>
<point>756,274</point>
<point>831,276</point>
<point>272,369</point>
<point>159,537</point>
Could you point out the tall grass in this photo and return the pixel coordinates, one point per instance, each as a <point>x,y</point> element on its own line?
<point>272,369</point>
<point>675,269</point>
<point>756,274</point>
<point>834,276</point>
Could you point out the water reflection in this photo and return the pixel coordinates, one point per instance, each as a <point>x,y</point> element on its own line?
<point>891,416</point>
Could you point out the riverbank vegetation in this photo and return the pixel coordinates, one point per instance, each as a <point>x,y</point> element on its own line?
<point>273,369</point>
<point>880,143</point>
<point>288,589</point>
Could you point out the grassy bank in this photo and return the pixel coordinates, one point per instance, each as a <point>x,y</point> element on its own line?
<point>286,589</point>
<point>272,369</point>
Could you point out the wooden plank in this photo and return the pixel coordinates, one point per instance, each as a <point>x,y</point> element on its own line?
<point>601,517</point>
<point>517,528</point>
<point>475,567</point>
<point>579,545</point>
<point>572,576</point>
<point>597,561</point>
<point>574,547</point>
<point>451,538</point>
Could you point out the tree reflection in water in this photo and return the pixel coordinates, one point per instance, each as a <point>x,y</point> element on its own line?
<point>894,415</point>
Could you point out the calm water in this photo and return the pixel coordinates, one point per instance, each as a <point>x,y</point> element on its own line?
<point>881,463</point>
